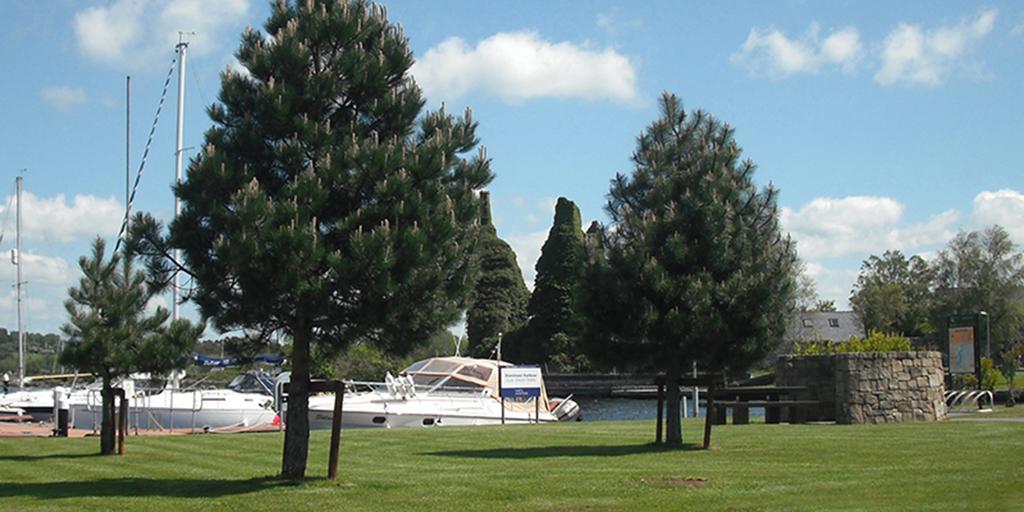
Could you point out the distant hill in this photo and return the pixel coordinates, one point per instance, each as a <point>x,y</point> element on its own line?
<point>41,352</point>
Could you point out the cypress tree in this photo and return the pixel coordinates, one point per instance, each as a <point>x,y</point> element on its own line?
<point>500,295</point>
<point>554,328</point>
<point>694,267</point>
<point>324,205</point>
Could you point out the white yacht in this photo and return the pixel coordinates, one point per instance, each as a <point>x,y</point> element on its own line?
<point>247,402</point>
<point>436,392</point>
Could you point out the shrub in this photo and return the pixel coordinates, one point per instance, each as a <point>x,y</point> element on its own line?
<point>875,342</point>
<point>1011,363</point>
<point>989,375</point>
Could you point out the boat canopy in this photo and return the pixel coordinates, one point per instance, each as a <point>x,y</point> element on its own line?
<point>462,373</point>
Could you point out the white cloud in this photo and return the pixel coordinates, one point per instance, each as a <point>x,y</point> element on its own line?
<point>47,279</point>
<point>141,35</point>
<point>1018,29</point>
<point>829,227</point>
<point>912,55</point>
<point>1004,207</point>
<point>527,248</point>
<point>55,220</point>
<point>42,269</point>
<point>518,66</point>
<point>64,98</point>
<point>613,23</point>
<point>832,283</point>
<point>771,53</point>
<point>237,67</point>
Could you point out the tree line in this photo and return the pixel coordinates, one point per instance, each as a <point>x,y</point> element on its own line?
<point>978,272</point>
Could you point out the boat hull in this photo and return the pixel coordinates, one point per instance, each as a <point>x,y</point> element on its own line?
<point>369,411</point>
<point>198,410</point>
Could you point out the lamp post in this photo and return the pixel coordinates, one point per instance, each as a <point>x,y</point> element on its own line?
<point>988,334</point>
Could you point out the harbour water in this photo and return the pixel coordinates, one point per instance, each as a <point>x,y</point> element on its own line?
<point>611,409</point>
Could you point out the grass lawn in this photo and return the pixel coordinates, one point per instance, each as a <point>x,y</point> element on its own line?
<point>952,465</point>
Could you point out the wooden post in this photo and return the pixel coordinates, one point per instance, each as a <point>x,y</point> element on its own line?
<point>122,418</point>
<point>661,407</point>
<point>338,388</point>
<point>709,416</point>
<point>339,397</point>
<point>772,414</point>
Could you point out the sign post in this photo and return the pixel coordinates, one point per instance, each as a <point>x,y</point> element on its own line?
<point>519,382</point>
<point>964,356</point>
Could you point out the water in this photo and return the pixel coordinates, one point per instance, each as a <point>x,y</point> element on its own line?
<point>611,409</point>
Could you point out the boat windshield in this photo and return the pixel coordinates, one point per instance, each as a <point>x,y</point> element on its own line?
<point>252,383</point>
<point>454,372</point>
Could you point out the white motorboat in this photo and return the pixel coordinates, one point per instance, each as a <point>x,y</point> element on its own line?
<point>247,402</point>
<point>436,392</point>
<point>37,402</point>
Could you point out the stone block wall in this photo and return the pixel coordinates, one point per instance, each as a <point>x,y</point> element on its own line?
<point>888,387</point>
<point>876,387</point>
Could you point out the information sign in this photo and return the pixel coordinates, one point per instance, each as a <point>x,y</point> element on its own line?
<point>520,381</point>
<point>961,349</point>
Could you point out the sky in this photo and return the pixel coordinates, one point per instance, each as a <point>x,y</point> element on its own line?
<point>886,125</point>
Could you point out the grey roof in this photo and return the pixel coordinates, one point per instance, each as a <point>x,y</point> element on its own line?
<point>828,325</point>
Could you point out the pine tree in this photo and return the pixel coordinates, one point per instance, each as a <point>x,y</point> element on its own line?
<point>500,295</point>
<point>111,335</point>
<point>554,328</point>
<point>694,267</point>
<point>323,204</point>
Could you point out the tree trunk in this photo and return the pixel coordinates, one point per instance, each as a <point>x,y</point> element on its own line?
<point>107,422</point>
<point>296,434</point>
<point>673,425</point>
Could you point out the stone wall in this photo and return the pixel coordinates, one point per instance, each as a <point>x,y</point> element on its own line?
<point>887,387</point>
<point>876,387</point>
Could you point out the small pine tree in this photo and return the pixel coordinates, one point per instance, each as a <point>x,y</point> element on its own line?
<point>500,295</point>
<point>111,335</point>
<point>552,335</point>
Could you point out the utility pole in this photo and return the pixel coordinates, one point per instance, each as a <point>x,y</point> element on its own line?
<point>182,52</point>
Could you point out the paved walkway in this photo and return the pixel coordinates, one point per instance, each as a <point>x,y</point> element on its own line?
<point>984,419</point>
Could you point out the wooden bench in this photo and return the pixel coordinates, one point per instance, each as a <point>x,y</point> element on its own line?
<point>773,409</point>
<point>774,400</point>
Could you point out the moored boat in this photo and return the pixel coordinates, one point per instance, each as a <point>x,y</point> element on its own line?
<point>437,392</point>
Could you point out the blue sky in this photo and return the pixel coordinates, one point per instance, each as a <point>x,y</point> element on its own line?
<point>886,125</point>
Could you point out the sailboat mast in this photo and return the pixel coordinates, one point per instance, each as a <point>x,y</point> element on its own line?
<point>127,149</point>
<point>182,51</point>
<point>17,263</point>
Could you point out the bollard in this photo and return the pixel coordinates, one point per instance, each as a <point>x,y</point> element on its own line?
<point>60,412</point>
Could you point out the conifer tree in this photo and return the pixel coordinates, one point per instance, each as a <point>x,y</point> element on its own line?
<point>500,295</point>
<point>324,205</point>
<point>552,334</point>
<point>694,267</point>
<point>110,333</point>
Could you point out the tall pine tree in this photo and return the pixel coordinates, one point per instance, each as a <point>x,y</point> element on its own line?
<point>500,295</point>
<point>694,267</point>
<point>324,204</point>
<point>553,333</point>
